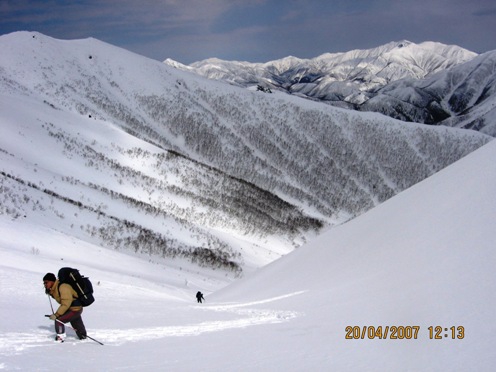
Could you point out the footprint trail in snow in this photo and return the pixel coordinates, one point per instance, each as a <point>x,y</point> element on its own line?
<point>14,343</point>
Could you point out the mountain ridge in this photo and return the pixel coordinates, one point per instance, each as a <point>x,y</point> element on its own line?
<point>395,79</point>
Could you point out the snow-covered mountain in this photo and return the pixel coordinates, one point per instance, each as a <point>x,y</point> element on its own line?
<point>463,96</point>
<point>128,153</point>
<point>430,82</point>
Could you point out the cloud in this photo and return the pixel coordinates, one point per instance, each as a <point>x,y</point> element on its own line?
<point>255,30</point>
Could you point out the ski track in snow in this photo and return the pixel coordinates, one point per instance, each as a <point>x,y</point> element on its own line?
<point>15,342</point>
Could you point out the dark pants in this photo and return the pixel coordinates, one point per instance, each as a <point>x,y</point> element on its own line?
<point>74,317</point>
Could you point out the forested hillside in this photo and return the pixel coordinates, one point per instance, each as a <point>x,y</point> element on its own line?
<point>135,155</point>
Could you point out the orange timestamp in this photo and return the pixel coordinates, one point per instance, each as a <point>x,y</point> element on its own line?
<point>403,332</point>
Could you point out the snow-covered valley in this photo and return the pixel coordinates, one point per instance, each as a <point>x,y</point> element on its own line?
<point>294,218</point>
<point>424,258</point>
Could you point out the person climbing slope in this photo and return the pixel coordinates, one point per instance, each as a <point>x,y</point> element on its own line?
<point>199,297</point>
<point>68,311</point>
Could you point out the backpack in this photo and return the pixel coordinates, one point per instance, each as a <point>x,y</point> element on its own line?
<point>81,284</point>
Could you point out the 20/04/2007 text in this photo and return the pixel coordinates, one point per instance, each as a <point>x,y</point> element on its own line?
<point>387,332</point>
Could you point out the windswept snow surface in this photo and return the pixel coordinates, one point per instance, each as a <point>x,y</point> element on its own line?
<point>424,258</point>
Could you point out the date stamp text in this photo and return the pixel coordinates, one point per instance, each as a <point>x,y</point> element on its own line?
<point>403,332</point>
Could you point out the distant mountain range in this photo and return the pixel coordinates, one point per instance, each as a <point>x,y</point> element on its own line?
<point>429,83</point>
<point>128,153</point>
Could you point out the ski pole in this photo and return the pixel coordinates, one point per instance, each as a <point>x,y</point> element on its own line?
<point>74,329</point>
<point>49,300</point>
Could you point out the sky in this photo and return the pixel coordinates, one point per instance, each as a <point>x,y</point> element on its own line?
<point>255,30</point>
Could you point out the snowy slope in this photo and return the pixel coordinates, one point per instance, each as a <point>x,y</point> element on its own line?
<point>424,258</point>
<point>133,155</point>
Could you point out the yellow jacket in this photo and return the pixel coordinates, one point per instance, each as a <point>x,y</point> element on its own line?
<point>64,294</point>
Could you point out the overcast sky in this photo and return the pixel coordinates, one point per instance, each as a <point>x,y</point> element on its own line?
<point>255,30</point>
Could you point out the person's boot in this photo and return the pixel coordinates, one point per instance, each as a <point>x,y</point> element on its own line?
<point>60,337</point>
<point>81,336</point>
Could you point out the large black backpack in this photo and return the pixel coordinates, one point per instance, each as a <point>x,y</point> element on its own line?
<point>79,283</point>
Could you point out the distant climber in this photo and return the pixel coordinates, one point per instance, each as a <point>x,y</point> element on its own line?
<point>199,297</point>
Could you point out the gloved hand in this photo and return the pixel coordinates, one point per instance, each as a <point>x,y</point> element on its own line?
<point>53,317</point>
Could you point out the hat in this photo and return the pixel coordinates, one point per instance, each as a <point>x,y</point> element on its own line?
<point>49,277</point>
